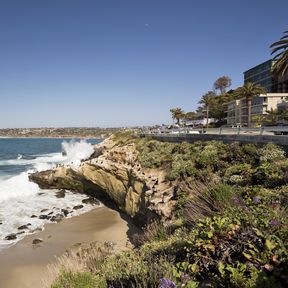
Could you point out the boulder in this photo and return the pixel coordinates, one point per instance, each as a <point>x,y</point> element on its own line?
<point>61,193</point>
<point>37,241</point>
<point>77,207</point>
<point>11,236</point>
<point>57,218</point>
<point>65,212</point>
<point>23,227</point>
<point>91,200</point>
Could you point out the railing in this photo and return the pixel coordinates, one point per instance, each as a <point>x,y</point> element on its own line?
<point>273,130</point>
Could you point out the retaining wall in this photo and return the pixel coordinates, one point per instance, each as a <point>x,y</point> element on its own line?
<point>190,138</point>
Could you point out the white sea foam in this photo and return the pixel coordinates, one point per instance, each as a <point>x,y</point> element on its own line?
<point>20,198</point>
<point>77,151</point>
<point>17,186</point>
<point>16,212</point>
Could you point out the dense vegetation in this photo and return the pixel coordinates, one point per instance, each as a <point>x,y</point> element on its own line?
<point>229,229</point>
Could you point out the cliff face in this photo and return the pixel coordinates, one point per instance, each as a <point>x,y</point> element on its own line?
<point>114,173</point>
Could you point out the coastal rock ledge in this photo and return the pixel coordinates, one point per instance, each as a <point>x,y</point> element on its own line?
<point>114,173</point>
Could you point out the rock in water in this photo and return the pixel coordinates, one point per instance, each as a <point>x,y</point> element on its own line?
<point>37,241</point>
<point>60,194</point>
<point>57,218</point>
<point>78,207</point>
<point>91,200</point>
<point>12,236</point>
<point>65,212</point>
<point>23,227</point>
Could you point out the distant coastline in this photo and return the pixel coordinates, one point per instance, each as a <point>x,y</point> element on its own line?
<point>67,132</point>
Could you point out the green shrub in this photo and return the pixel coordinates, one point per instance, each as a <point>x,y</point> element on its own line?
<point>76,280</point>
<point>239,174</point>
<point>181,168</point>
<point>221,196</point>
<point>271,153</point>
<point>269,175</point>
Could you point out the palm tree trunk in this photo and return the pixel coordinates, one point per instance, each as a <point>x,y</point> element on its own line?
<point>249,104</point>
<point>207,115</point>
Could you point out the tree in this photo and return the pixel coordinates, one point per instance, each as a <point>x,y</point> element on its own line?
<point>190,116</point>
<point>177,113</point>
<point>207,100</point>
<point>222,83</point>
<point>281,47</point>
<point>272,116</point>
<point>283,116</point>
<point>249,90</point>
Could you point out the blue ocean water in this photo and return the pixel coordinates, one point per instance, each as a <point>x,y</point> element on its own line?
<point>28,149</point>
<point>20,198</point>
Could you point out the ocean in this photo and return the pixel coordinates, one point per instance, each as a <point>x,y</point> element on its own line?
<point>19,198</point>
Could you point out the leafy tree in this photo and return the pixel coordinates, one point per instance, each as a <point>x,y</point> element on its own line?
<point>177,114</point>
<point>272,116</point>
<point>222,83</point>
<point>283,115</point>
<point>258,119</point>
<point>219,106</point>
<point>190,115</point>
<point>249,90</point>
<point>281,48</point>
<point>207,100</point>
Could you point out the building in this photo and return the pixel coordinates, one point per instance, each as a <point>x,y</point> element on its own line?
<point>237,110</point>
<point>262,75</point>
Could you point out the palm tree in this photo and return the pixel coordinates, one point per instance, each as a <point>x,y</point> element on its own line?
<point>281,65</point>
<point>177,113</point>
<point>207,100</point>
<point>249,90</point>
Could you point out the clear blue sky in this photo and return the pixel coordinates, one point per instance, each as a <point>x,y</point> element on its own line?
<point>125,62</point>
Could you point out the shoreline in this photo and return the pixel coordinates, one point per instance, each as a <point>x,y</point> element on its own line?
<point>29,261</point>
<point>51,137</point>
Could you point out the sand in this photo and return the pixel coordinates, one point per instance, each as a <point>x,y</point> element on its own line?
<point>25,265</point>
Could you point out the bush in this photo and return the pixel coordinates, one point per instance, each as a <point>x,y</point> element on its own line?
<point>239,174</point>
<point>155,231</point>
<point>271,153</point>
<point>270,175</point>
<point>76,280</point>
<point>221,196</point>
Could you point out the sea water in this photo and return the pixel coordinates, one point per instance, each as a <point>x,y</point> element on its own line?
<point>20,198</point>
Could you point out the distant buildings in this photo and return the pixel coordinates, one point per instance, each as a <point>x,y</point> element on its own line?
<point>277,88</point>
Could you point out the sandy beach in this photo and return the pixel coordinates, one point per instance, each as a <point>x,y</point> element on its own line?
<point>24,264</point>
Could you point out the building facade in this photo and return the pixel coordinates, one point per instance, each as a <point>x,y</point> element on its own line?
<point>262,75</point>
<point>237,110</point>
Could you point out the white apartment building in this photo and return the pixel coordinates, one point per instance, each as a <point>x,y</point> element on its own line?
<point>237,110</point>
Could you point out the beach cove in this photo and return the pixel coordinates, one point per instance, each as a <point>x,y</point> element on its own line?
<point>26,264</point>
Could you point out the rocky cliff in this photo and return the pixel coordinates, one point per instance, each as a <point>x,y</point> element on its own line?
<point>114,173</point>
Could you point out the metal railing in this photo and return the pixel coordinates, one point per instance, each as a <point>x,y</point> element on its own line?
<point>273,130</point>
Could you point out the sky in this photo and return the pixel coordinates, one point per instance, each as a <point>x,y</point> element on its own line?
<point>111,63</point>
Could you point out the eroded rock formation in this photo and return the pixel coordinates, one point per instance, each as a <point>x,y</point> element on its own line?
<point>115,174</point>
